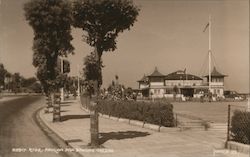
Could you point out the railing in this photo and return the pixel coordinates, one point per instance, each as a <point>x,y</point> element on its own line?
<point>238,124</point>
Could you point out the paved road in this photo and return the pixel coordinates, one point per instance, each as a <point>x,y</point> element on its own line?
<point>18,128</point>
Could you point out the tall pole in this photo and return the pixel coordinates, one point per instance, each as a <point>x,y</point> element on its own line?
<point>62,91</point>
<point>209,53</point>
<point>228,124</point>
<point>78,81</point>
<point>186,76</point>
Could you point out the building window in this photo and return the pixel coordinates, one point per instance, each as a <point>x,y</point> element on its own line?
<point>156,91</point>
<point>218,91</point>
<point>169,91</point>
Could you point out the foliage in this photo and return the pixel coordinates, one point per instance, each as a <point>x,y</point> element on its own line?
<point>28,82</point>
<point>51,21</point>
<point>103,20</point>
<point>91,71</point>
<point>3,72</point>
<point>128,92</point>
<point>16,82</point>
<point>70,85</point>
<point>240,126</point>
<point>154,113</point>
<point>36,87</point>
<point>118,91</point>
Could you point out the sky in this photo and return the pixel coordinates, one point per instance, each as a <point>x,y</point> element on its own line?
<point>168,34</point>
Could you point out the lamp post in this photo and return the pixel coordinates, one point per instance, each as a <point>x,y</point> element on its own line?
<point>78,81</point>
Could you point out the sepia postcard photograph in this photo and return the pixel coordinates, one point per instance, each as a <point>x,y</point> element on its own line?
<point>124,78</point>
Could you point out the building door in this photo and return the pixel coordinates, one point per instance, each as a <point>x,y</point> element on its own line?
<point>187,92</point>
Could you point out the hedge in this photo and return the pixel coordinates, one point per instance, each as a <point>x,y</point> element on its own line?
<point>241,127</point>
<point>158,113</point>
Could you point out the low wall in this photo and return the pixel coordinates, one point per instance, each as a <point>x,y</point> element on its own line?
<point>239,147</point>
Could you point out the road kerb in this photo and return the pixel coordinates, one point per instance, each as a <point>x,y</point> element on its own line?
<point>54,136</point>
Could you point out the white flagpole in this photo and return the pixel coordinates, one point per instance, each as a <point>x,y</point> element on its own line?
<point>209,53</point>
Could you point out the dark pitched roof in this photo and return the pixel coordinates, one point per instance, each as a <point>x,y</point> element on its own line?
<point>181,75</point>
<point>216,73</point>
<point>143,79</point>
<point>156,73</point>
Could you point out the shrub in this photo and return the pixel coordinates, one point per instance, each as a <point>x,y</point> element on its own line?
<point>155,113</point>
<point>241,127</point>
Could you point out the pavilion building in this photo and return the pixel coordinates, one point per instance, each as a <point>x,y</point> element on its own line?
<point>217,83</point>
<point>180,84</point>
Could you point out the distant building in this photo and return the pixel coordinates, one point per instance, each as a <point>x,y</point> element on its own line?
<point>217,83</point>
<point>179,84</point>
<point>144,86</point>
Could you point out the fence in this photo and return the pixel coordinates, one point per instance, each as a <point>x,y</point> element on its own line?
<point>85,100</point>
<point>238,129</point>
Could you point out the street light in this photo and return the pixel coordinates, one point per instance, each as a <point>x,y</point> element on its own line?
<point>78,81</point>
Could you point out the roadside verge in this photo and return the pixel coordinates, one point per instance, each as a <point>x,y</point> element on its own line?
<point>53,136</point>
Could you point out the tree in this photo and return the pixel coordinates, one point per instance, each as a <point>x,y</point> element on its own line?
<point>16,85</point>
<point>8,77</point>
<point>51,23</point>
<point>103,20</point>
<point>27,82</point>
<point>36,87</point>
<point>91,72</point>
<point>71,85</point>
<point>3,72</point>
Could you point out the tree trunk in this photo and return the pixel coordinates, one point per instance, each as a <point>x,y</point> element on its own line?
<point>49,104</point>
<point>94,121</point>
<point>94,125</point>
<point>55,98</point>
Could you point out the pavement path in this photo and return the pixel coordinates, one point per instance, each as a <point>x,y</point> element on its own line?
<point>18,128</point>
<point>123,140</point>
<point>7,98</point>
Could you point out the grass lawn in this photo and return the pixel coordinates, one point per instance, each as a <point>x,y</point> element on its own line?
<point>214,111</point>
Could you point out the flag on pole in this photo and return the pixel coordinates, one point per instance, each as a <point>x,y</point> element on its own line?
<point>206,27</point>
